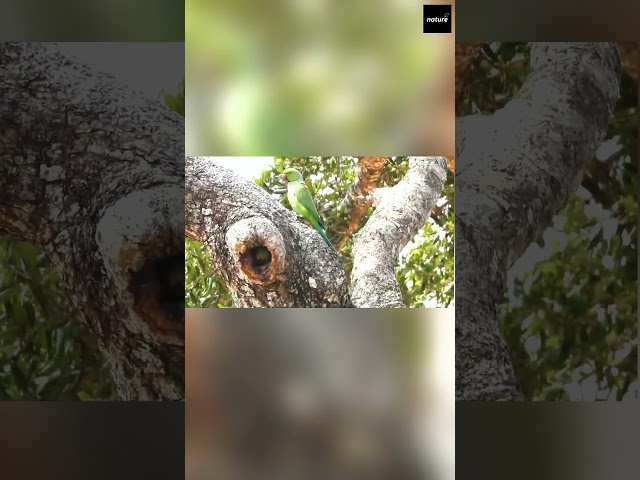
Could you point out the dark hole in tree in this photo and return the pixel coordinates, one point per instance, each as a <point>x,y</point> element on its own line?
<point>260,258</point>
<point>161,283</point>
<point>171,277</point>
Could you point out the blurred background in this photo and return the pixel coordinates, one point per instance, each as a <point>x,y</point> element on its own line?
<point>425,266</point>
<point>78,21</point>
<point>308,394</point>
<point>322,78</point>
<point>550,440</point>
<point>571,21</point>
<point>46,350</point>
<point>49,440</point>
<point>569,316</point>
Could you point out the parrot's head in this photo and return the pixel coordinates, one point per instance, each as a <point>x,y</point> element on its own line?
<point>291,175</point>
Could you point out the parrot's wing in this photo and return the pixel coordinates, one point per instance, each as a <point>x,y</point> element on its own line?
<point>304,199</point>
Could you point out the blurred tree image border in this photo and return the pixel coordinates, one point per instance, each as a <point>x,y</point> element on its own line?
<point>382,374</point>
<point>78,21</point>
<point>344,189</point>
<point>330,81</point>
<point>55,343</point>
<point>568,314</point>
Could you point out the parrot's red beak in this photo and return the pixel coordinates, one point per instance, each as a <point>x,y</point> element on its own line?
<point>284,177</point>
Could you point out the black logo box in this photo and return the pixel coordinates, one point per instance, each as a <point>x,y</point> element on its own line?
<point>436,19</point>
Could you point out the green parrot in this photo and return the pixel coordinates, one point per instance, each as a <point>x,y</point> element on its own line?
<point>302,203</point>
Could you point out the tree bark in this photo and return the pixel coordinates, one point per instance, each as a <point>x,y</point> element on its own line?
<point>515,169</point>
<point>402,211</point>
<point>267,256</point>
<point>93,173</point>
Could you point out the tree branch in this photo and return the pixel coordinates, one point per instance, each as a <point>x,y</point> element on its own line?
<point>515,169</point>
<point>93,173</point>
<point>403,210</point>
<point>357,201</point>
<point>267,256</point>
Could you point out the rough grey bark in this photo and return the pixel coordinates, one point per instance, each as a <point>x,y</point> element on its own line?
<point>93,174</point>
<point>515,170</point>
<point>266,254</point>
<point>402,211</point>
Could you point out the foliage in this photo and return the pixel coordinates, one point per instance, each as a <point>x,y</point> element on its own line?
<point>46,353</point>
<point>176,102</point>
<point>425,272</point>
<point>204,287</point>
<point>499,71</point>
<point>574,315</point>
<point>570,318</point>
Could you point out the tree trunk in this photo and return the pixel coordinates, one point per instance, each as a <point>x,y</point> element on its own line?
<point>515,170</point>
<point>93,174</point>
<point>402,211</point>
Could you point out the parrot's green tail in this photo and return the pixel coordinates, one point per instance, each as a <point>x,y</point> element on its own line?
<point>326,238</point>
